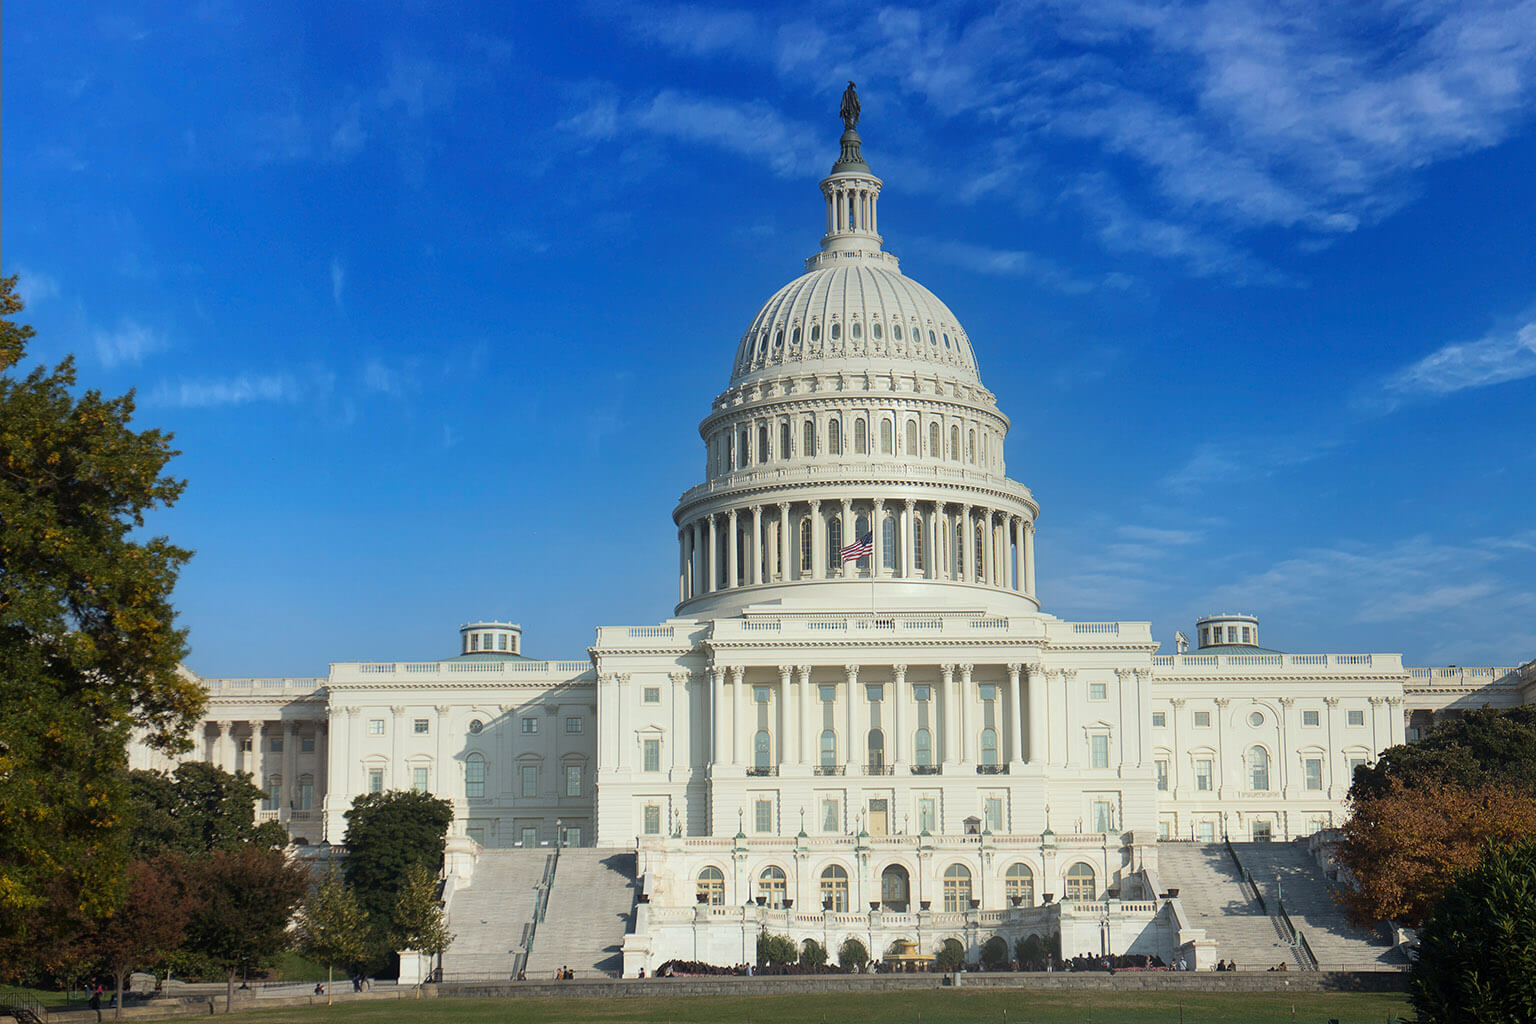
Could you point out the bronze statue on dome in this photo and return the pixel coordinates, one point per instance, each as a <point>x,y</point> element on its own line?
<point>850,108</point>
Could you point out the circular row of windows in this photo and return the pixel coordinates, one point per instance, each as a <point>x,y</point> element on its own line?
<point>856,332</point>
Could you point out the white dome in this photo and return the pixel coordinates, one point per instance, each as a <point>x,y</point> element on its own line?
<point>851,316</point>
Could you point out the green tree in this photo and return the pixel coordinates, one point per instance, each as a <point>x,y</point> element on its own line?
<point>148,925</point>
<point>1483,747</point>
<point>773,950</point>
<point>1030,952</point>
<point>1477,954</point>
<point>994,952</point>
<point>852,954</point>
<point>245,902</point>
<point>950,955</point>
<point>196,808</point>
<point>88,643</point>
<point>334,928</point>
<point>387,834</point>
<point>813,954</point>
<point>420,921</point>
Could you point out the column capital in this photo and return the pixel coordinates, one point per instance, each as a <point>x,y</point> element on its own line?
<point>949,672</point>
<point>852,672</point>
<point>1068,674</point>
<point>1394,701</point>
<point>899,672</point>
<point>879,505</point>
<point>1015,669</point>
<point>1177,702</point>
<point>679,678</point>
<point>783,508</point>
<point>398,710</point>
<point>731,515</point>
<point>738,672</point>
<point>622,678</point>
<point>1286,702</point>
<point>909,504</point>
<point>965,672</point>
<point>1332,702</point>
<point>1222,702</point>
<point>717,674</point>
<point>815,505</point>
<point>805,672</point>
<point>443,709</point>
<point>784,673</point>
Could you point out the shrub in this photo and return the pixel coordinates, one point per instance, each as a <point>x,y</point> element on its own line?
<point>773,950</point>
<point>994,952</point>
<point>813,954</point>
<point>852,954</point>
<point>950,955</point>
<point>1030,950</point>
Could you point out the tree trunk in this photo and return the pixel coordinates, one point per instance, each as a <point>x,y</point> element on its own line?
<point>117,1004</point>
<point>229,990</point>
<point>330,983</point>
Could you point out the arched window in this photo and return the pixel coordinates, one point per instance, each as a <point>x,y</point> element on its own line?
<point>922,749</point>
<point>954,443</point>
<point>828,748</point>
<point>875,743</point>
<point>981,554</point>
<point>874,329</point>
<point>834,889</point>
<point>989,746</point>
<point>1080,882</point>
<point>1258,767</point>
<point>860,436</point>
<point>970,446</point>
<point>934,447</point>
<point>896,331</point>
<point>808,439</point>
<point>888,542</point>
<point>911,437</point>
<point>856,330</point>
<point>805,544</point>
<point>959,551</point>
<point>778,340</point>
<point>816,332</point>
<point>887,440</point>
<point>895,889</point>
<point>711,887</point>
<point>474,775</point>
<point>761,749</point>
<point>1019,885</point>
<point>917,544</point>
<point>746,449</point>
<point>834,437</point>
<point>771,886</point>
<point>784,452</point>
<point>837,331</point>
<point>762,444</point>
<point>957,887</point>
<point>834,542</point>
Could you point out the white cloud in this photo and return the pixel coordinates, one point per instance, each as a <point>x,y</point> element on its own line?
<point>1017,263</point>
<point>240,389</point>
<point>129,343</point>
<point>1236,459</point>
<point>1493,359</point>
<point>338,280</point>
<point>36,286</point>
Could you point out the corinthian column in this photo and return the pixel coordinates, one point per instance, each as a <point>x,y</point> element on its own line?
<point>756,576</point>
<point>738,745</point>
<point>1029,559</point>
<point>907,530</point>
<point>877,533</point>
<point>732,579</point>
<point>784,571</point>
<point>714,555</point>
<point>818,538</point>
<point>967,546</point>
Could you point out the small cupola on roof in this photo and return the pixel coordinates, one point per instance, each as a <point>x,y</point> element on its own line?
<point>490,638</point>
<point>1228,630</point>
<point>853,194</point>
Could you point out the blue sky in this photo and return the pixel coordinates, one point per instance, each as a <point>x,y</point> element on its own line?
<point>434,299</point>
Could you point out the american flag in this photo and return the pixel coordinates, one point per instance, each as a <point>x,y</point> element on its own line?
<point>861,548</point>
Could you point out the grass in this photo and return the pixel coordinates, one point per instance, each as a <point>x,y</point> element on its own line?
<point>910,1007</point>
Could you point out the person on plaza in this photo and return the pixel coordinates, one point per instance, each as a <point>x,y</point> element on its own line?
<point>95,1002</point>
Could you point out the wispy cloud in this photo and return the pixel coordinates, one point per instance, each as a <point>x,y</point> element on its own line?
<point>338,280</point>
<point>1493,359</point>
<point>36,286</point>
<point>1019,263</point>
<point>239,389</point>
<point>1237,459</point>
<point>130,342</point>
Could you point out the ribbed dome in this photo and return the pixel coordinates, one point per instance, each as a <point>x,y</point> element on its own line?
<point>863,313</point>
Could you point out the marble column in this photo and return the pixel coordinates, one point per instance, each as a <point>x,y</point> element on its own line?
<point>951,720</point>
<point>732,553</point>
<point>877,535</point>
<point>853,756</point>
<point>738,742</point>
<point>679,733</point>
<point>898,718</point>
<point>1029,559</point>
<point>784,570</point>
<point>716,714</point>
<point>1015,714</point>
<point>967,547</point>
<point>987,555</point>
<point>1036,685</point>
<point>967,714</point>
<point>781,725</point>
<point>818,538</point>
<point>907,529</point>
<point>714,556</point>
<point>807,748</point>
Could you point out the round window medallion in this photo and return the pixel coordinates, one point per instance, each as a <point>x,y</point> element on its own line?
<point>1256,719</point>
<point>475,725</point>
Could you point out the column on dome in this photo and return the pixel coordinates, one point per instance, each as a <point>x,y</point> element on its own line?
<point>967,551</point>
<point>714,556</point>
<point>756,576</point>
<point>1016,526</point>
<point>803,675</point>
<point>847,538</point>
<point>695,559</point>
<point>682,564</point>
<point>898,717</point>
<point>988,546</point>
<point>1029,559</point>
<point>950,716</point>
<point>877,538</point>
<point>784,549</point>
<point>818,538</point>
<point>738,742</point>
<point>931,533</point>
<point>1004,576</point>
<point>1015,715</point>
<point>905,530</point>
<point>716,714</point>
<point>967,715</point>
<point>732,561</point>
<point>851,757</point>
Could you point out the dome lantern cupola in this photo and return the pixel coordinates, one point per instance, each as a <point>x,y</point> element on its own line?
<point>852,195</point>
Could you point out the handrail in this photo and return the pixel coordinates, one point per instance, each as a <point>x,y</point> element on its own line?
<point>1305,958</point>
<point>540,908</point>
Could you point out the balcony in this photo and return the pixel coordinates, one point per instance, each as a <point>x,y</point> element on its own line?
<point>927,769</point>
<point>829,769</point>
<point>763,773</point>
<point>992,769</point>
<point>879,769</point>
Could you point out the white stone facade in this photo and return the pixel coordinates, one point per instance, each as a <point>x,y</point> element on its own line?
<point>848,740</point>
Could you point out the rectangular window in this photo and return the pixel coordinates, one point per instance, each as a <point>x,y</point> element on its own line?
<point>530,725</point>
<point>1355,762</point>
<point>762,815</point>
<point>1206,831</point>
<point>306,796</point>
<point>573,725</point>
<point>1098,691</point>
<point>828,694</point>
<point>573,780</point>
<point>530,835</point>
<point>760,695</point>
<point>419,779</point>
<point>1412,734</point>
<point>420,727</point>
<point>245,745</point>
<point>652,753</point>
<point>874,693</point>
<point>1103,816</point>
<point>306,744</point>
<point>1357,718</point>
<point>1309,718</point>
<point>1165,830</point>
<point>652,695</point>
<point>376,780</point>
<point>927,814</point>
<point>375,727</point>
<point>988,691</point>
<point>652,819</point>
<point>829,817</point>
<point>922,692</point>
<point>276,744</point>
<point>1312,768</point>
<point>1203,775</point>
<point>992,810</point>
<point>273,799</point>
<point>1162,775</point>
<point>528,776</point>
<point>573,835</point>
<point>1099,747</point>
<point>1202,719</point>
<point>1159,719</point>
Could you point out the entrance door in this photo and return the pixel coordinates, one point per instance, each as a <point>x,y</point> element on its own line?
<point>1262,832</point>
<point>895,889</point>
<point>879,817</point>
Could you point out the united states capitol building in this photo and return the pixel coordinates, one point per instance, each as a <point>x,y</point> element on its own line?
<point>860,718</point>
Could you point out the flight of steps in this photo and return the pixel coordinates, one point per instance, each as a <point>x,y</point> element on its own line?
<point>590,909</point>
<point>491,917</point>
<point>1214,897</point>
<point>1288,869</point>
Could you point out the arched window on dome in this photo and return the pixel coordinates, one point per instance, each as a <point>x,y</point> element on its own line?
<point>874,329</point>
<point>744,458</point>
<point>762,443</point>
<point>808,439</point>
<point>959,551</point>
<point>954,443</point>
<point>887,438</point>
<point>837,330</point>
<point>935,446</point>
<point>834,436</point>
<point>861,436</point>
<point>860,528</point>
<point>856,330</point>
<point>888,543</point>
<point>835,542</point>
<point>816,332</point>
<point>778,341</point>
<point>970,445</point>
<point>946,341</point>
<point>911,437</point>
<point>794,337</point>
<point>984,454</point>
<point>981,556</point>
<point>805,545</point>
<point>896,331</point>
<point>784,451</point>
<point>932,340</point>
<point>917,542</point>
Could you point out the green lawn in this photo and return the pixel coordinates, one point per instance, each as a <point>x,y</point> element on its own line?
<point>912,1007</point>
